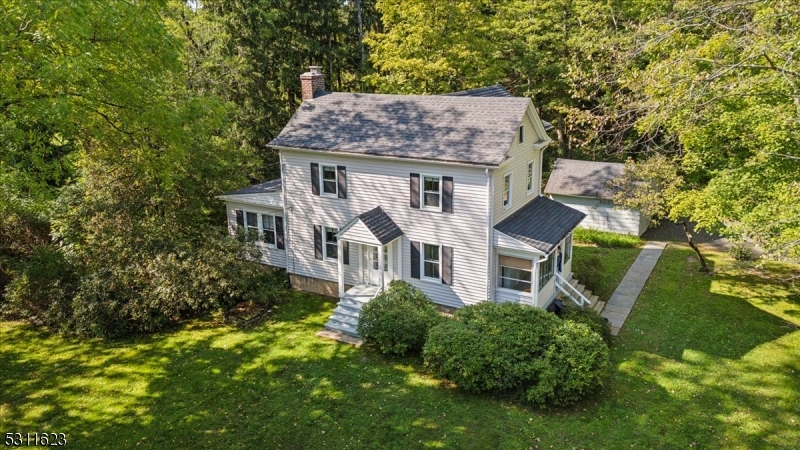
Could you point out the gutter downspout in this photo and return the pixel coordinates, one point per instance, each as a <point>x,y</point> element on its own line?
<point>490,236</point>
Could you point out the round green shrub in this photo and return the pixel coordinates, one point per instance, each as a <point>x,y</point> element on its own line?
<point>397,321</point>
<point>590,271</point>
<point>516,348</point>
<point>574,365</point>
<point>490,347</point>
<point>589,317</point>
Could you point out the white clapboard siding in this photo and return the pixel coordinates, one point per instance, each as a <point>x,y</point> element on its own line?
<point>359,232</point>
<point>269,254</point>
<point>601,215</point>
<point>372,182</point>
<point>516,163</point>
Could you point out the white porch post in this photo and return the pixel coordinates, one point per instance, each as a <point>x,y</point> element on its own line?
<point>340,265</point>
<point>380,264</point>
<point>535,281</point>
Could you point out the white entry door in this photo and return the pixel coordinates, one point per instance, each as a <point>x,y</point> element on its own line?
<point>372,267</point>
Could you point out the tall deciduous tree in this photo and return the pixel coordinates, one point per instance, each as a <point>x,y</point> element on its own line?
<point>723,78</point>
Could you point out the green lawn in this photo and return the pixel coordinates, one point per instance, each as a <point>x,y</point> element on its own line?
<point>703,361</point>
<point>615,264</point>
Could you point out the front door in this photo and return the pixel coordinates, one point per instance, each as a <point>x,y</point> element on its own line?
<point>372,266</point>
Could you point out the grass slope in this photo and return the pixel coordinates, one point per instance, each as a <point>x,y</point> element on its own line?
<point>615,263</point>
<point>706,362</point>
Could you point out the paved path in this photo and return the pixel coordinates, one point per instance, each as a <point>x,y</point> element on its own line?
<point>622,300</point>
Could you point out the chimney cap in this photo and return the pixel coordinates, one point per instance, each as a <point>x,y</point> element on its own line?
<point>315,69</point>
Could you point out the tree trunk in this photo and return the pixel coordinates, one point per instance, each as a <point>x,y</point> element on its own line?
<point>563,138</point>
<point>360,37</point>
<point>703,266</point>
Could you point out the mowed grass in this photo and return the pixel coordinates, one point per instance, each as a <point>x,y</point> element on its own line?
<point>615,263</point>
<point>703,362</point>
<point>606,239</point>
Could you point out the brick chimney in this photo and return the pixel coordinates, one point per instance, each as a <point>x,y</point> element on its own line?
<point>312,82</point>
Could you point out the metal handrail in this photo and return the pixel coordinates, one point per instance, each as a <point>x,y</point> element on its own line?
<point>561,282</point>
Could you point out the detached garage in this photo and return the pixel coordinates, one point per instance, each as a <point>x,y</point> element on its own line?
<point>583,185</point>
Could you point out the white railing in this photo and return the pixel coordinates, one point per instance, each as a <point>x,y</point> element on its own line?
<point>575,295</point>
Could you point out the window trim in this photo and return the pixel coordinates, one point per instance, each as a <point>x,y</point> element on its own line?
<point>529,178</point>
<point>545,277</point>
<point>501,277</point>
<point>510,189</point>
<point>567,249</point>
<point>335,193</point>
<point>262,231</point>
<point>325,256</point>
<point>422,260</point>
<point>422,204</point>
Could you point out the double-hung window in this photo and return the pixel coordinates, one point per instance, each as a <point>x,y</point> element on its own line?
<point>507,190</point>
<point>251,226</point>
<point>431,192</point>
<point>431,261</point>
<point>530,178</point>
<point>514,273</point>
<point>546,270</point>
<point>331,243</point>
<point>329,181</point>
<point>268,228</point>
<point>521,134</point>
<point>568,247</point>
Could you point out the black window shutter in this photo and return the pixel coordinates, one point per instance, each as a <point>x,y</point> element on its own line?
<point>415,259</point>
<point>414,177</point>
<point>447,265</point>
<point>447,194</point>
<point>240,217</point>
<point>342,180</point>
<point>345,252</point>
<point>318,241</point>
<point>279,233</point>
<point>315,178</point>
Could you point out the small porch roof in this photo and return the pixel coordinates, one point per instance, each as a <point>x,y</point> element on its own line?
<point>373,227</point>
<point>263,194</point>
<point>541,224</point>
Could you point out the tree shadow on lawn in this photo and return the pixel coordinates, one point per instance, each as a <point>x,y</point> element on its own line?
<point>280,386</point>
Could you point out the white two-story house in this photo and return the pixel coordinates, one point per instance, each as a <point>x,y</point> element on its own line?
<point>442,191</point>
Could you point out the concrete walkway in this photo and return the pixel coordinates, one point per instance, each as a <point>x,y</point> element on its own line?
<point>622,300</point>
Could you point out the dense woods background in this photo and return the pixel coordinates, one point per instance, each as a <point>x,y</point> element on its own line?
<point>119,122</point>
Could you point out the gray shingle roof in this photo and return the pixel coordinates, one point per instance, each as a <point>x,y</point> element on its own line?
<point>262,188</point>
<point>542,223</point>
<point>498,90</point>
<point>379,224</point>
<point>489,91</point>
<point>583,178</point>
<point>472,130</point>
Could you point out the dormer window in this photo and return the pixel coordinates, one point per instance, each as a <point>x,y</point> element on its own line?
<point>521,134</point>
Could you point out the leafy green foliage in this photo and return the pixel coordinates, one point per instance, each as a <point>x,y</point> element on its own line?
<point>589,271</point>
<point>606,239</point>
<point>650,186</point>
<point>397,321</point>
<point>516,348</point>
<point>588,317</point>
<point>574,365</point>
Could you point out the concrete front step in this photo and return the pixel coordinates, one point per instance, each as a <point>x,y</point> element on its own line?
<point>354,303</point>
<point>345,328</point>
<point>343,318</point>
<point>347,311</point>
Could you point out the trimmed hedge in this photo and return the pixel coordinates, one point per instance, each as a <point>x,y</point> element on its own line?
<point>516,348</point>
<point>397,321</point>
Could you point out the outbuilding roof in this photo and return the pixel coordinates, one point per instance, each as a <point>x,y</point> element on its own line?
<point>542,223</point>
<point>461,129</point>
<point>583,178</point>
